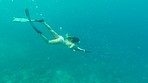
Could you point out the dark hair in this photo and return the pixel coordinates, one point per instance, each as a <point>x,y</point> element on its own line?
<point>74,39</point>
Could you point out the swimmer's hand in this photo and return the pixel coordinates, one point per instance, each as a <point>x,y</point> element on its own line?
<point>87,51</point>
<point>80,49</point>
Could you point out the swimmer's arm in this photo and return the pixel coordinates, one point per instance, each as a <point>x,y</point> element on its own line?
<point>83,50</point>
<point>74,48</point>
<point>80,49</point>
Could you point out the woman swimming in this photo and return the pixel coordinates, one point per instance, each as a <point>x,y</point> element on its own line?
<point>69,41</point>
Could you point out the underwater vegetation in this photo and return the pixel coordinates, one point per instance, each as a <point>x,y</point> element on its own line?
<point>58,76</point>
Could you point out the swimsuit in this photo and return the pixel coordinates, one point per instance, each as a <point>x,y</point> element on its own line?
<point>62,39</point>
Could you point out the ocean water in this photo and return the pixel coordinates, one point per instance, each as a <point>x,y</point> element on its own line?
<point>116,31</point>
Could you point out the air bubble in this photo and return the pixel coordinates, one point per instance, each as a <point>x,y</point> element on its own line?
<point>36,7</point>
<point>60,28</point>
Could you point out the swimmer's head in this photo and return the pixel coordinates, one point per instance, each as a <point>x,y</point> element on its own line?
<point>73,39</point>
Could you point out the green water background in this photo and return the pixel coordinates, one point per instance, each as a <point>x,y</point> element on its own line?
<point>114,30</point>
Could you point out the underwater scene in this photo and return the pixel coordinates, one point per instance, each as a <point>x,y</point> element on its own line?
<point>114,33</point>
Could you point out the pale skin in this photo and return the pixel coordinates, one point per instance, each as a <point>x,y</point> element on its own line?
<point>59,39</point>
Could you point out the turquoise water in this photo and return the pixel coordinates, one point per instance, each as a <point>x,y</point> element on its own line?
<point>114,30</point>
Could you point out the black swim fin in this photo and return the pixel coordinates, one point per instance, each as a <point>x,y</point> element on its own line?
<point>31,23</point>
<point>41,20</point>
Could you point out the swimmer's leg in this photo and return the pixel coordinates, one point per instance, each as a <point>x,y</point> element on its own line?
<point>55,41</point>
<point>53,33</point>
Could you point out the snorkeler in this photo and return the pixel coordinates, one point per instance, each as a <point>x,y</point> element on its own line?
<point>69,41</point>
